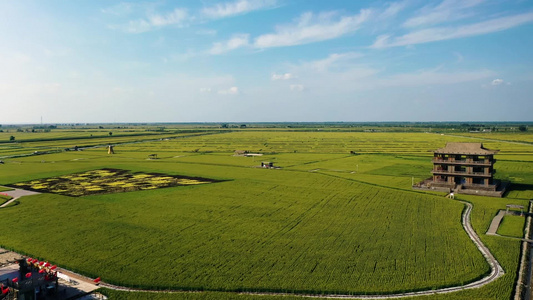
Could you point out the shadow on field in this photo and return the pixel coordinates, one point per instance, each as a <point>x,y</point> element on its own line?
<point>518,187</point>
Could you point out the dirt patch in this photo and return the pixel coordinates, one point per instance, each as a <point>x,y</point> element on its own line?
<point>106,181</point>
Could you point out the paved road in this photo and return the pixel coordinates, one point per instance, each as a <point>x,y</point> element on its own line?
<point>17,193</point>
<point>493,228</point>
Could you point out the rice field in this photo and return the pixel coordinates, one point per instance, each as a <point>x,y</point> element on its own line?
<point>512,226</point>
<point>338,217</point>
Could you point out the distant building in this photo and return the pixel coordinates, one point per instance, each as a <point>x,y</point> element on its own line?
<point>240,153</point>
<point>466,168</point>
<point>464,163</point>
<point>267,164</point>
<point>245,153</point>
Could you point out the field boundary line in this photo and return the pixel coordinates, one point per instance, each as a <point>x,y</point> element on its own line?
<point>54,150</point>
<point>488,139</point>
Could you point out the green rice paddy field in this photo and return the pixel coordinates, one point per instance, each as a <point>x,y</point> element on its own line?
<point>328,221</point>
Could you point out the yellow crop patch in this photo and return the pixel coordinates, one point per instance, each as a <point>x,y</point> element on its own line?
<point>107,181</point>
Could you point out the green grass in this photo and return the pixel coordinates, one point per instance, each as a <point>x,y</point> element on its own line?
<point>111,294</point>
<point>512,226</point>
<point>4,199</point>
<point>4,189</point>
<point>328,221</point>
<point>285,232</point>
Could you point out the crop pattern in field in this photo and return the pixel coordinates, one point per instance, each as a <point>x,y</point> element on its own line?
<point>107,181</point>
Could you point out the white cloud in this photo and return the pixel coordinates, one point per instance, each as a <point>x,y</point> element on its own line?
<point>381,41</point>
<point>297,87</point>
<point>392,10</point>
<point>237,41</point>
<point>285,76</point>
<point>231,91</point>
<point>333,60</point>
<point>178,16</point>
<point>459,57</point>
<point>447,33</point>
<point>339,74</point>
<point>229,9</point>
<point>205,90</point>
<point>497,81</point>
<point>311,28</point>
<point>447,10</point>
<point>433,77</point>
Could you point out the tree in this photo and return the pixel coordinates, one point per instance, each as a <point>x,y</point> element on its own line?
<point>110,133</point>
<point>522,128</point>
<point>12,138</point>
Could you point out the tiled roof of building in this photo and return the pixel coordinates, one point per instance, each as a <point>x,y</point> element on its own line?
<point>465,148</point>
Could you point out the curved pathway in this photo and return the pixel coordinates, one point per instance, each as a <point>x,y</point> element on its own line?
<point>495,273</point>
<point>16,193</point>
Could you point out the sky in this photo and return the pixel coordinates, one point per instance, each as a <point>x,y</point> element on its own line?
<point>90,61</point>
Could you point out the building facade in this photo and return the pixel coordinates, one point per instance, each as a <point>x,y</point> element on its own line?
<point>467,165</point>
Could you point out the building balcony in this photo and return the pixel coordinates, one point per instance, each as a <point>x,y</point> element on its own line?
<point>463,162</point>
<point>463,173</point>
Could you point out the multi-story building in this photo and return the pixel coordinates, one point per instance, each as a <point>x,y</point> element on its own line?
<point>464,165</point>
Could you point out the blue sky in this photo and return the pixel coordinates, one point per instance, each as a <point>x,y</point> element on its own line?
<point>266,61</point>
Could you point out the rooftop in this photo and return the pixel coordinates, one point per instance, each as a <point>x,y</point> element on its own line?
<point>466,148</point>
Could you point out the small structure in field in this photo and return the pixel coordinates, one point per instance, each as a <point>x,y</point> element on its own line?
<point>240,153</point>
<point>268,165</point>
<point>110,149</point>
<point>245,153</point>
<point>152,156</point>
<point>521,207</point>
<point>464,168</point>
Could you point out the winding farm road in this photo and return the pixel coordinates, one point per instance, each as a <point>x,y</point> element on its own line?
<point>16,193</point>
<point>496,272</point>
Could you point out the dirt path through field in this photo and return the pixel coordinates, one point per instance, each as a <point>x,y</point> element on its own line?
<point>493,228</point>
<point>17,193</point>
